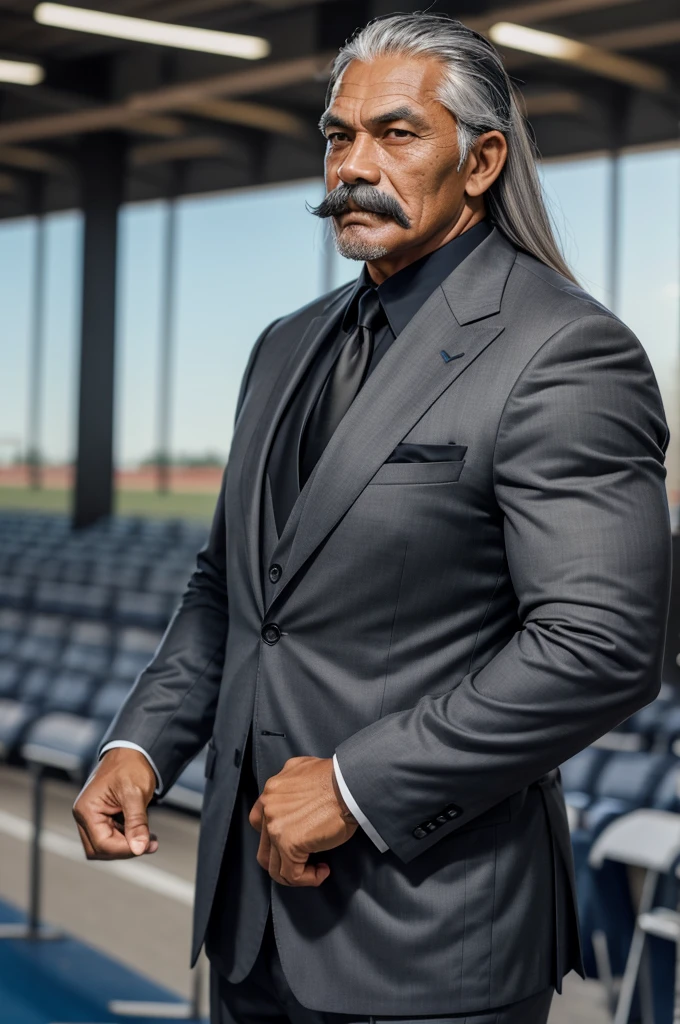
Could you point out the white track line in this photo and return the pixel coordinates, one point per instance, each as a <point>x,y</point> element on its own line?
<point>138,872</point>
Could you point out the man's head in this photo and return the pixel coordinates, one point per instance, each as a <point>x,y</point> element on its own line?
<point>424,138</point>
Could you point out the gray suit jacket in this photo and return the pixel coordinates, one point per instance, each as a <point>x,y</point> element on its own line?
<point>453,629</point>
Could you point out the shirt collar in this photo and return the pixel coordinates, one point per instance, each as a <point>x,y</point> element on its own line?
<point>404,293</point>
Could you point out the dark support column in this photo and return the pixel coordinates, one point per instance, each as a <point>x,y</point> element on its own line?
<point>102,171</point>
<point>36,356</point>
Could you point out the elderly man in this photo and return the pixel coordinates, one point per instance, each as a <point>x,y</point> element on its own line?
<point>439,567</point>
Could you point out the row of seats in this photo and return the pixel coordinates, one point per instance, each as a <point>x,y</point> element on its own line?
<point>91,601</point>
<point>22,524</point>
<point>93,568</point>
<point>600,786</point>
<point>81,615</point>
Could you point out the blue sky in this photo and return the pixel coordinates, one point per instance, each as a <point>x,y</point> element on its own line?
<point>245,258</point>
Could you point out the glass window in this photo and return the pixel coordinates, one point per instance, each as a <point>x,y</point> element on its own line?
<point>17,245</point>
<point>577,195</point>
<point>649,269</point>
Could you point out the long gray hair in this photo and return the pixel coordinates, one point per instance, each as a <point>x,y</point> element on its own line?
<point>477,91</point>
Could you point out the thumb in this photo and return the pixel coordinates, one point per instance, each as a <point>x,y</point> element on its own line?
<point>133,806</point>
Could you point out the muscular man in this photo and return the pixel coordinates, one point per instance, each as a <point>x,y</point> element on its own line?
<point>439,566</point>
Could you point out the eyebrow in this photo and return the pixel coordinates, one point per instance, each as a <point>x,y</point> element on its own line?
<point>403,113</point>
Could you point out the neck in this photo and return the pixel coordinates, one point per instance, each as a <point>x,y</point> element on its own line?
<point>379,270</point>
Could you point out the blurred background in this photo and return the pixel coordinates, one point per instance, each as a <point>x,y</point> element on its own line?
<point>156,157</point>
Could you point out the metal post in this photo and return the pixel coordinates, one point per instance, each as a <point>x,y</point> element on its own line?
<point>102,171</point>
<point>36,353</point>
<point>33,930</point>
<point>636,966</point>
<point>36,864</point>
<point>167,338</point>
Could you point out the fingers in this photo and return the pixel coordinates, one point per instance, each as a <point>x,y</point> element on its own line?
<point>264,849</point>
<point>102,838</point>
<point>133,806</point>
<point>256,815</point>
<point>294,871</point>
<point>119,789</point>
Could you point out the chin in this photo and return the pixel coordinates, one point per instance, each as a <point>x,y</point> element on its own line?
<point>361,244</point>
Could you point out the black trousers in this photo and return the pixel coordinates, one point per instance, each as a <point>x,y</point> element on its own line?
<point>264,997</point>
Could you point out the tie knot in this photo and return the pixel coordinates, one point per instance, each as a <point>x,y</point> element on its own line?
<point>370,312</point>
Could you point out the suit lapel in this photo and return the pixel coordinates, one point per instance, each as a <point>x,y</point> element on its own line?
<point>408,379</point>
<point>267,402</point>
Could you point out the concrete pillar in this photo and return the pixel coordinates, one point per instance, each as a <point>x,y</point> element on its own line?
<point>102,174</point>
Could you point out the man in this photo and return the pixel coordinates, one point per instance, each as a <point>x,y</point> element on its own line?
<point>439,567</point>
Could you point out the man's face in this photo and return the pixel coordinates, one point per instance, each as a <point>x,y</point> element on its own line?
<point>386,129</point>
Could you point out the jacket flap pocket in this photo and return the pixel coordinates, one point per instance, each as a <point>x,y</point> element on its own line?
<point>409,451</point>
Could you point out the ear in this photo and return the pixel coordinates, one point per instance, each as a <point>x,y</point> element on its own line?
<point>486,160</point>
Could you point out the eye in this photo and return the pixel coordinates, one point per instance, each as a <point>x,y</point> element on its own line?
<point>400,133</point>
<point>333,137</point>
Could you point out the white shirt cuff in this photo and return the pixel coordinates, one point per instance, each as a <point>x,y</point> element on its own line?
<point>356,810</point>
<point>134,746</point>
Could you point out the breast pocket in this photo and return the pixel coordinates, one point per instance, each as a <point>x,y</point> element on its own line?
<point>444,472</point>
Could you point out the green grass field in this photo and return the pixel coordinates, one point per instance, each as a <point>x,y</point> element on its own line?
<point>131,503</point>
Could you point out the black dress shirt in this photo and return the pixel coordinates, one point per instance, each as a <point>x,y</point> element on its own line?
<point>401,296</point>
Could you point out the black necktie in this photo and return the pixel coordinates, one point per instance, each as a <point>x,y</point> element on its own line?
<point>342,384</point>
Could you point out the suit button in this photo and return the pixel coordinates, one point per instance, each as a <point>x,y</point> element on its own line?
<point>430,826</point>
<point>271,634</point>
<point>419,832</point>
<point>275,573</point>
<point>451,811</point>
<point>442,819</point>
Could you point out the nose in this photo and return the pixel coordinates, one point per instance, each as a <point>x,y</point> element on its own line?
<point>359,165</point>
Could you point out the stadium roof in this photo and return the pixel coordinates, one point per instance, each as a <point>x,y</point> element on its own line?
<point>197,121</point>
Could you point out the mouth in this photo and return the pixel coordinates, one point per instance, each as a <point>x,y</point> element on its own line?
<point>359,216</point>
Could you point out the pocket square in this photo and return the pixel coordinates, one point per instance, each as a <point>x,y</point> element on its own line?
<point>408,452</point>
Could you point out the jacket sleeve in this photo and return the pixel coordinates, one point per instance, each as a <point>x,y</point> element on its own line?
<point>579,478</point>
<point>170,710</point>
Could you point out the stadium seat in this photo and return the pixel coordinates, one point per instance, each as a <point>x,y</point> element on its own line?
<point>187,792</point>
<point>15,718</point>
<point>10,676</point>
<point>14,592</point>
<point>73,599</point>
<point>135,649</point>
<point>34,686</point>
<point>108,699</point>
<point>82,657</point>
<point>144,609</point>
<point>648,840</point>
<point>69,692</point>
<point>667,730</point>
<point>11,628</point>
<point>625,782</point>
<point>579,775</point>
<point>64,741</point>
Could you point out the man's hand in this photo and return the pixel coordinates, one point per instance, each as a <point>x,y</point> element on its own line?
<point>122,783</point>
<point>300,811</point>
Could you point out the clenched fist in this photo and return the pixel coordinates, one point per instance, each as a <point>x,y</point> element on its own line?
<point>300,811</point>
